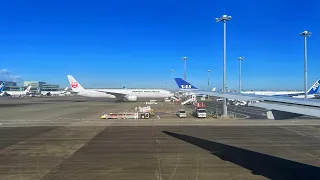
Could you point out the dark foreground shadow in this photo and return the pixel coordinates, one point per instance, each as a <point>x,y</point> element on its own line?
<point>260,164</point>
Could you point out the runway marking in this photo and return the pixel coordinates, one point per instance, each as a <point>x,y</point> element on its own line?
<point>175,167</point>
<point>247,117</point>
<point>158,175</point>
<point>197,172</point>
<point>302,134</point>
<point>69,156</point>
<point>249,112</point>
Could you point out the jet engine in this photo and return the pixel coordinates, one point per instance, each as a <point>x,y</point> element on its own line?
<point>131,98</point>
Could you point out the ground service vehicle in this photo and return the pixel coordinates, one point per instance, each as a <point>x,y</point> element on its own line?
<point>200,110</point>
<point>182,113</point>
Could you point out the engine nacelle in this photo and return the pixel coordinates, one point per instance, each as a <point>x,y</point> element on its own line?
<point>131,98</point>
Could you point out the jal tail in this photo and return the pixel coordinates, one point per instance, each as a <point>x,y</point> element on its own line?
<point>76,87</point>
<point>1,87</point>
<point>182,84</point>
<point>28,89</point>
<point>315,88</point>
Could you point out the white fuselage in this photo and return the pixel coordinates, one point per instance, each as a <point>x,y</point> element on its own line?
<point>294,94</point>
<point>93,93</point>
<point>272,93</point>
<point>140,93</point>
<point>16,93</point>
<point>56,93</point>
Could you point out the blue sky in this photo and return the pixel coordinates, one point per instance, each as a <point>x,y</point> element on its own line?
<point>136,42</point>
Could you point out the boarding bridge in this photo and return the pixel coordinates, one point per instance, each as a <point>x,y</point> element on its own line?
<point>175,98</point>
<point>188,99</point>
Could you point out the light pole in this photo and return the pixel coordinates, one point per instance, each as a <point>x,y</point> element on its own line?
<point>165,84</point>
<point>185,67</point>
<point>209,79</point>
<point>240,59</point>
<point>305,34</point>
<point>172,74</point>
<point>224,19</point>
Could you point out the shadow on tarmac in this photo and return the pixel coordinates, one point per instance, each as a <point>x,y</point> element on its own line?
<point>260,164</point>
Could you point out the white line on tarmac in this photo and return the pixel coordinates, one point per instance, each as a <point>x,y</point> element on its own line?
<point>249,112</point>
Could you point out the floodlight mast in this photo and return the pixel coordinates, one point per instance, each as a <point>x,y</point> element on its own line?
<point>305,34</point>
<point>224,19</point>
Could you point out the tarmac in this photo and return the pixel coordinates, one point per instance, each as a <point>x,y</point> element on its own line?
<point>64,138</point>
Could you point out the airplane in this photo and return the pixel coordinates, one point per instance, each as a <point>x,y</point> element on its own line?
<point>65,92</point>
<point>279,107</point>
<point>311,93</point>
<point>122,94</point>
<point>1,87</point>
<point>18,93</point>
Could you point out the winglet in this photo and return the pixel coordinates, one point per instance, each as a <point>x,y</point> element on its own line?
<point>315,88</point>
<point>76,87</point>
<point>182,84</point>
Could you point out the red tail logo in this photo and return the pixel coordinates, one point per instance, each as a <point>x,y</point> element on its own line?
<point>74,84</point>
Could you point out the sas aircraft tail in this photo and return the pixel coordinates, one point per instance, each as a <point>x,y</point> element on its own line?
<point>314,88</point>
<point>182,84</point>
<point>1,87</point>
<point>76,87</point>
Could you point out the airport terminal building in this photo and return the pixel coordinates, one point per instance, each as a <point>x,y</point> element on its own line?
<point>42,85</point>
<point>15,86</point>
<point>11,86</point>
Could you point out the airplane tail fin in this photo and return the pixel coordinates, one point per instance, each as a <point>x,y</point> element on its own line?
<point>66,89</point>
<point>182,84</point>
<point>76,87</point>
<point>214,89</point>
<point>315,88</point>
<point>28,89</point>
<point>1,87</point>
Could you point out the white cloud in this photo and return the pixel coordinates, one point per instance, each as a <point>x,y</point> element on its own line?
<point>4,71</point>
<point>6,75</point>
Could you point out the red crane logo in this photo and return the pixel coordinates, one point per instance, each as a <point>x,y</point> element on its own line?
<point>74,84</point>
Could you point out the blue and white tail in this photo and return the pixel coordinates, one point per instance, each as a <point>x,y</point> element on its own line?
<point>314,88</point>
<point>182,84</point>
<point>1,87</point>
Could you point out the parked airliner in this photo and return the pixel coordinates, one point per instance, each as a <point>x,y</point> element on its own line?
<point>279,107</point>
<point>17,93</point>
<point>311,93</point>
<point>121,94</point>
<point>1,87</point>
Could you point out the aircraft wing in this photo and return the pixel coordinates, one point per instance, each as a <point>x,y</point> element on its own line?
<point>117,95</point>
<point>280,107</point>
